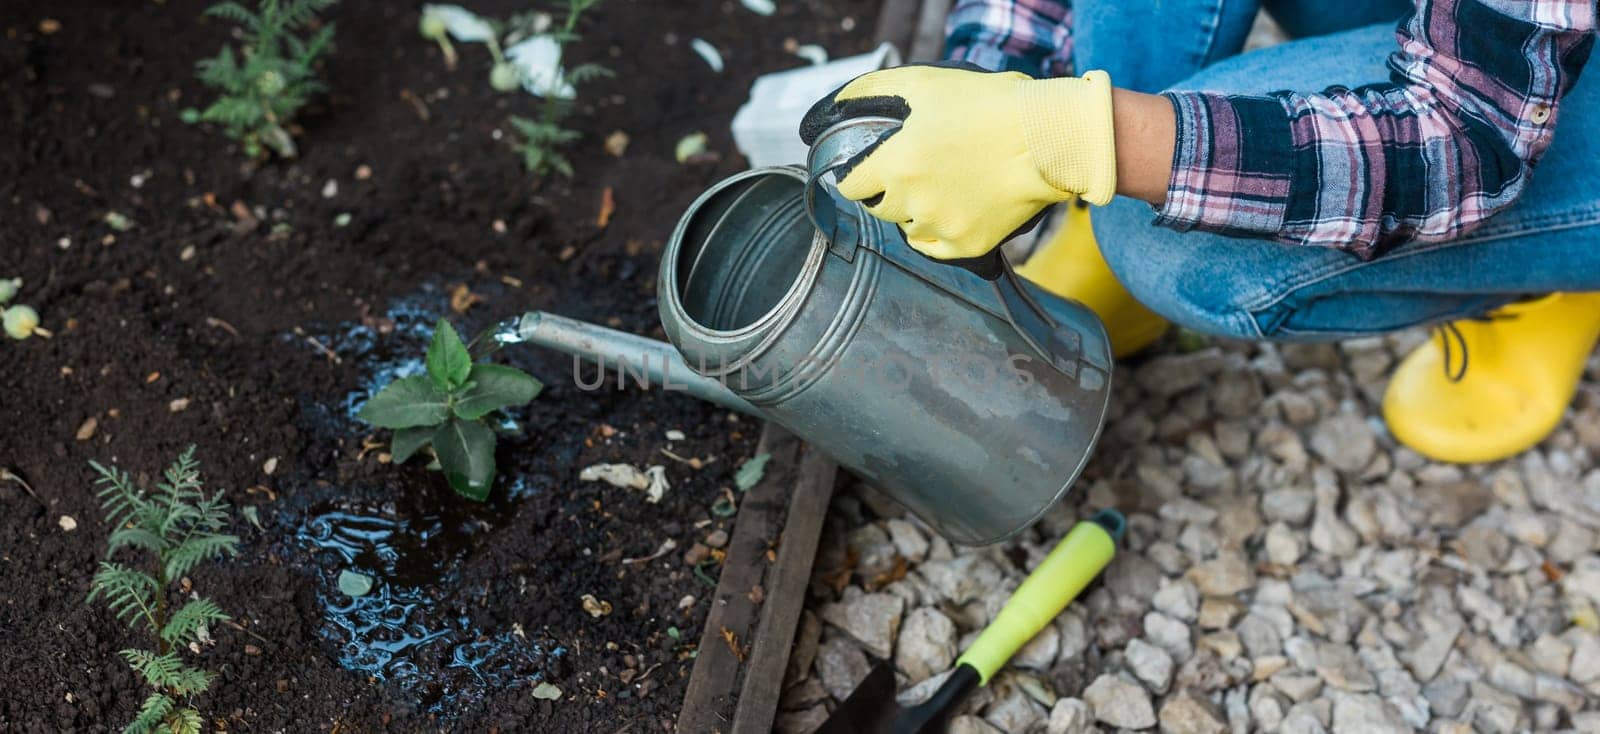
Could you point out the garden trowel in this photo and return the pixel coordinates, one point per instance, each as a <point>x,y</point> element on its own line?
<point>1074,562</point>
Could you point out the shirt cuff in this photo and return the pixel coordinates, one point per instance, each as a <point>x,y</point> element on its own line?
<point>1216,183</point>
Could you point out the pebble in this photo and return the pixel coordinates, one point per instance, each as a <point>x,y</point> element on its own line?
<point>1345,441</point>
<point>1120,702</point>
<point>1178,599</point>
<point>968,724</point>
<point>1070,716</point>
<point>1150,664</point>
<point>908,540</point>
<point>1040,652</point>
<point>927,644</point>
<point>841,665</point>
<point>1014,712</point>
<point>1226,574</point>
<point>1187,713</point>
<point>1219,612</point>
<point>871,619</point>
<point>1292,506</point>
<point>1282,545</point>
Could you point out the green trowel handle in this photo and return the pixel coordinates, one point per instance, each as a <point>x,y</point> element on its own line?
<point>1076,560</point>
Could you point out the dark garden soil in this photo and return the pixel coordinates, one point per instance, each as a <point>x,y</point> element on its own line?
<point>238,315</point>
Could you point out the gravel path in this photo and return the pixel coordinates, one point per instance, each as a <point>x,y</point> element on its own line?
<point>1288,568</point>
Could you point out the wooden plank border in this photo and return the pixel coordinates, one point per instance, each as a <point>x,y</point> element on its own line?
<point>739,616</point>
<point>787,581</point>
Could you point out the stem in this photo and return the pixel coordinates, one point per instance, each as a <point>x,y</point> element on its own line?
<point>159,619</point>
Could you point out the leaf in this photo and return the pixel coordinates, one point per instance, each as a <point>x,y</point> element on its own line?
<point>449,362</point>
<point>466,453</point>
<point>408,441</point>
<point>494,387</point>
<point>751,471</point>
<point>406,403</point>
<point>187,620</point>
<point>354,583</point>
<point>151,713</point>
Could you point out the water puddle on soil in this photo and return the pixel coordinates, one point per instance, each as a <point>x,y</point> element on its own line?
<point>405,631</point>
<point>413,629</point>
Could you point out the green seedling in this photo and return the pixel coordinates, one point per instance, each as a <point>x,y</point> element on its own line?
<point>180,525</point>
<point>448,408</point>
<point>272,75</point>
<point>434,28</point>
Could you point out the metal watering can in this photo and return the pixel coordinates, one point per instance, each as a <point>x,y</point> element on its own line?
<point>967,394</point>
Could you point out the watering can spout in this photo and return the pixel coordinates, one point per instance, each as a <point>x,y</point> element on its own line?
<point>646,361</point>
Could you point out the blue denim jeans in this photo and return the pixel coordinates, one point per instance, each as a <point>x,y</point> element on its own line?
<point>1256,289</point>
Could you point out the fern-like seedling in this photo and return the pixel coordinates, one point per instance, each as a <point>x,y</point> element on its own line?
<point>179,526</point>
<point>271,77</point>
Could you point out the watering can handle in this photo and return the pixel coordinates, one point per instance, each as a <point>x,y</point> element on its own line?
<point>841,144</point>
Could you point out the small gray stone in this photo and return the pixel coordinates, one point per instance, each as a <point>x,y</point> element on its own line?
<point>1074,635</point>
<point>872,619</point>
<point>1070,716</point>
<point>1551,654</point>
<point>1168,375</point>
<point>1267,707</point>
<point>875,555</point>
<point>1282,545</point>
<point>1150,664</point>
<point>961,579</point>
<point>927,644</point>
<point>1340,668</point>
<point>1169,634</point>
<point>841,665</point>
<point>1297,686</point>
<point>1218,612</point>
<point>1040,652</point>
<point>1585,666</point>
<point>968,724</point>
<point>1187,713</point>
<point>1309,717</point>
<point>1345,441</point>
<point>1365,713</point>
<point>1260,638</point>
<point>1446,697</point>
<point>1120,702</point>
<point>1178,599</point>
<point>1131,576</point>
<point>1483,546</point>
<point>1329,534</point>
<point>908,540</point>
<point>1429,654</point>
<point>1292,506</point>
<point>1015,712</point>
<point>1228,573</point>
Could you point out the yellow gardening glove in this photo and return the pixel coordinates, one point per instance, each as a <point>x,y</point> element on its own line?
<point>979,155</point>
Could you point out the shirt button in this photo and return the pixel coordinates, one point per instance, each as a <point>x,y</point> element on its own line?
<point>1541,114</point>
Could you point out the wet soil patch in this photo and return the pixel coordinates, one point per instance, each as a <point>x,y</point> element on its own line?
<point>238,314</point>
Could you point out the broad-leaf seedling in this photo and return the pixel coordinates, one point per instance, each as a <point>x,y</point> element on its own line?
<point>447,408</point>
<point>181,527</point>
<point>272,75</point>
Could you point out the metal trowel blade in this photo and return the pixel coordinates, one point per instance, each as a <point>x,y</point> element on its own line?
<point>870,709</point>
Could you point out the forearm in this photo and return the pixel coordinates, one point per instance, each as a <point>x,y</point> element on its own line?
<point>1145,130</point>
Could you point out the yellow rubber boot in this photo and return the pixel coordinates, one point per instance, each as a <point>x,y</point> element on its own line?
<point>1520,372</point>
<point>1070,266</point>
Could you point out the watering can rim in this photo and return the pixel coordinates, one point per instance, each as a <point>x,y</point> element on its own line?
<point>770,325</point>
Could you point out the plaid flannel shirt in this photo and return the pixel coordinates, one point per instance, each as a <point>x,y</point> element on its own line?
<point>1451,139</point>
